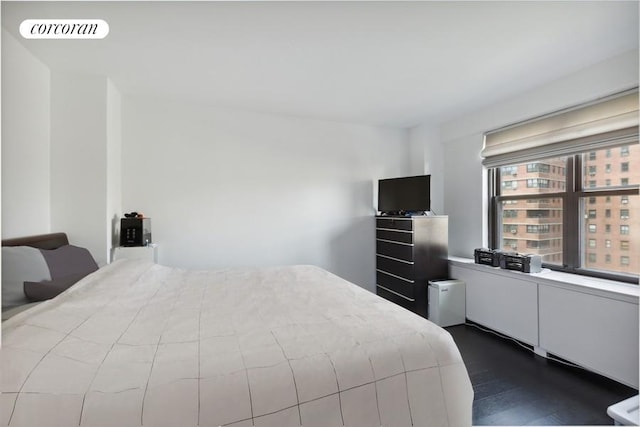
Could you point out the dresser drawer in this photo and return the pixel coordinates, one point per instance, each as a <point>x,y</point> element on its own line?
<point>397,284</point>
<point>394,235</point>
<point>395,223</point>
<point>402,301</point>
<point>402,251</point>
<point>395,267</point>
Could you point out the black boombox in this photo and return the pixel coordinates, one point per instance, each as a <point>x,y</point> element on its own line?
<point>527,263</point>
<point>487,256</point>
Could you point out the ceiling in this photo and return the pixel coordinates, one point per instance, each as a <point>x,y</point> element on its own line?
<point>390,63</point>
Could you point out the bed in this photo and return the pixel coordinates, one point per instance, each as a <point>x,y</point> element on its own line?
<point>136,343</point>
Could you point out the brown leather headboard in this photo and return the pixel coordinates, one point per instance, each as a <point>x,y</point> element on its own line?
<point>41,241</point>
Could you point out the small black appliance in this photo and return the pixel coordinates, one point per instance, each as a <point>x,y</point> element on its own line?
<point>135,231</point>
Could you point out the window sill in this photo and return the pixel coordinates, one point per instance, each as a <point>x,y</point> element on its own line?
<point>592,285</point>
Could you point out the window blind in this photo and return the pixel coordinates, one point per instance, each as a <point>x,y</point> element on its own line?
<point>604,123</point>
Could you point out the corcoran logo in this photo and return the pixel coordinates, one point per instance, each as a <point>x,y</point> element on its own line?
<point>64,29</point>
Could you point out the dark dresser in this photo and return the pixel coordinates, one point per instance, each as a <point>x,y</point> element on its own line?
<point>410,251</point>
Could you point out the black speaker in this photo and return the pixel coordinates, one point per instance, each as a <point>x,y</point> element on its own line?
<point>135,231</point>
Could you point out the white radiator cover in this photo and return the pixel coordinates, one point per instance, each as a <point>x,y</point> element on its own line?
<point>592,326</point>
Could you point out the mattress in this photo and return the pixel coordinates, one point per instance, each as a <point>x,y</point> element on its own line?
<point>137,343</point>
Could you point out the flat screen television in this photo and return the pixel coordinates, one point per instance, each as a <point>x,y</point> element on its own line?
<point>399,196</point>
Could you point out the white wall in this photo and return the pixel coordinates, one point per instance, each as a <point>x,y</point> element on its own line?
<point>25,141</point>
<point>465,177</point>
<point>229,188</point>
<point>427,158</point>
<point>85,136</point>
<point>114,166</point>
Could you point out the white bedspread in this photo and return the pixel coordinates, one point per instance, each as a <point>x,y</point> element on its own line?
<point>140,344</point>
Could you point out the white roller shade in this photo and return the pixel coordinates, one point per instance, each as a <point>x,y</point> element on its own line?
<point>608,122</point>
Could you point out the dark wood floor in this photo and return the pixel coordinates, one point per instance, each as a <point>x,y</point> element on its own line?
<point>515,387</point>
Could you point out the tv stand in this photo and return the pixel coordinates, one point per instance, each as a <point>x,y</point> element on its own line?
<point>410,251</point>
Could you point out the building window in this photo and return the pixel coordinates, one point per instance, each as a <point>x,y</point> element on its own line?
<point>624,151</point>
<point>592,243</point>
<point>538,167</point>
<point>607,258</point>
<point>592,228</point>
<point>592,155</point>
<point>510,185</point>
<point>624,229</point>
<point>624,181</point>
<point>607,243</point>
<point>624,213</point>
<point>592,171</point>
<point>624,167</point>
<point>537,183</point>
<point>592,258</point>
<point>607,213</point>
<point>538,229</point>
<point>592,214</point>
<point>607,228</point>
<point>607,168</point>
<point>624,260</point>
<point>624,245</point>
<point>509,170</point>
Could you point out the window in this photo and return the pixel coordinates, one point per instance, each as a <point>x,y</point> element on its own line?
<point>510,185</point>
<point>537,183</point>
<point>578,178</point>
<point>512,229</point>
<point>509,170</point>
<point>564,223</point>
<point>538,167</point>
<point>538,229</point>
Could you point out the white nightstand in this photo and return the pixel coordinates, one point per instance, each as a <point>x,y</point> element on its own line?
<point>149,253</point>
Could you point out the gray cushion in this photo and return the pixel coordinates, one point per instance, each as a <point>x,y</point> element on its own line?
<point>67,265</point>
<point>69,260</point>
<point>47,289</point>
<point>20,264</point>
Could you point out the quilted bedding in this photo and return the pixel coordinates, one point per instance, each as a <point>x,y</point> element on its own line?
<point>141,344</point>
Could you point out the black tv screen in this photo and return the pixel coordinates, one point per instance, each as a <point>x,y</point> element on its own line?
<point>401,195</point>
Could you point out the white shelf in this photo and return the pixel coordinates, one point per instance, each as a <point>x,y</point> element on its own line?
<point>149,253</point>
